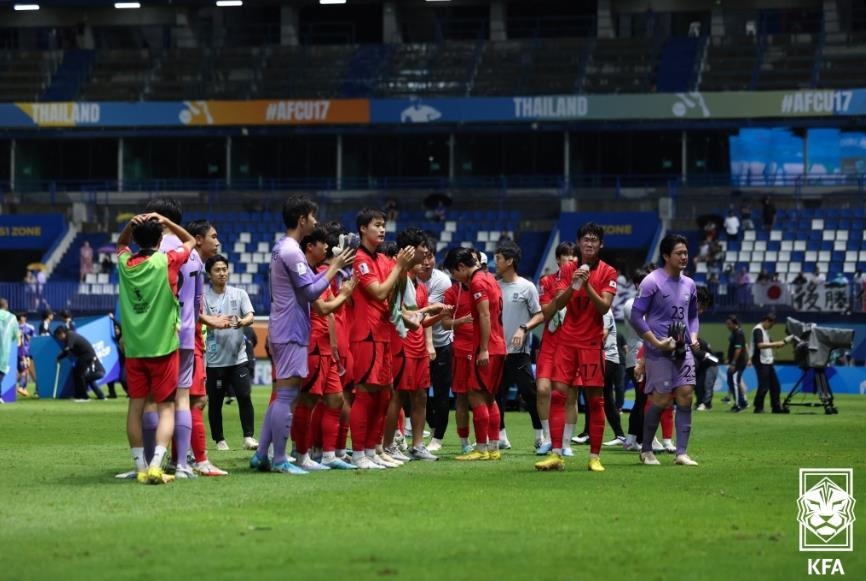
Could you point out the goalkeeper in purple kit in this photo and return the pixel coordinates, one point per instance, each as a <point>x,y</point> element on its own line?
<point>665,314</point>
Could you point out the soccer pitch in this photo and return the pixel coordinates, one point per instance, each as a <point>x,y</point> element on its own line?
<point>64,516</point>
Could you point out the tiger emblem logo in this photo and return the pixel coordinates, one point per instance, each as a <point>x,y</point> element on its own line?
<point>826,510</point>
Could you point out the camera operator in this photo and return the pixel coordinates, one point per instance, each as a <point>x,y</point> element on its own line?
<point>762,359</point>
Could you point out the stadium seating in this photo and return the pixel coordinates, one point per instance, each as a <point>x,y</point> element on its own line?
<point>24,75</point>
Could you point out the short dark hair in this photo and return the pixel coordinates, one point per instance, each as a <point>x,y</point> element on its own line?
<point>166,206</point>
<point>705,297</point>
<point>198,227</point>
<point>458,256</point>
<point>213,260</point>
<point>411,237</point>
<point>367,215</point>
<point>296,207</point>
<point>60,329</point>
<point>733,319</point>
<point>509,250</point>
<point>591,228</point>
<point>314,237</point>
<point>47,313</point>
<point>333,229</point>
<point>640,273</point>
<point>564,249</point>
<point>147,234</point>
<point>389,248</point>
<point>666,246</point>
<point>771,316</point>
<point>65,313</point>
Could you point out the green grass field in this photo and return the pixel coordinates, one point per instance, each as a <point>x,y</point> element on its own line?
<point>63,515</point>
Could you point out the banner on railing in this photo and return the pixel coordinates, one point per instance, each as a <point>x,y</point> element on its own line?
<point>516,109</point>
<point>808,297</point>
<point>20,231</point>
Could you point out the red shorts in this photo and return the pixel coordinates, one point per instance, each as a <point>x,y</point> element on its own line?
<point>323,377</point>
<point>154,376</point>
<point>372,364</point>
<point>415,374</point>
<point>545,364</point>
<point>199,379</point>
<point>464,367</point>
<point>579,367</point>
<point>487,377</point>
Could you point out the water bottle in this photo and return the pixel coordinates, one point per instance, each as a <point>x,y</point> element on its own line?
<point>576,285</point>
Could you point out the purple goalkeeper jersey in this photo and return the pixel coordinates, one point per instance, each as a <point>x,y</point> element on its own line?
<point>294,285</point>
<point>663,299</point>
<point>190,288</point>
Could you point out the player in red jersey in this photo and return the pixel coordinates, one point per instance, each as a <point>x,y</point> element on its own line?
<point>460,321</point>
<point>322,384</point>
<point>580,356</point>
<point>414,343</point>
<point>490,350</point>
<point>371,336</point>
<point>551,411</point>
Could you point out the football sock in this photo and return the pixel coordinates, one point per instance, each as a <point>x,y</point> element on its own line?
<point>376,418</point>
<point>481,420</point>
<point>316,424</point>
<point>684,428</point>
<point>149,421</point>
<point>330,428</point>
<point>358,419</point>
<point>596,423</point>
<point>567,433</point>
<point>545,431</point>
<point>158,457</point>
<point>198,439</point>
<point>556,423</point>
<point>342,434</point>
<point>650,426</point>
<point>138,458</point>
<point>182,435</point>
<point>281,421</point>
<point>265,434</point>
<point>494,434</point>
<point>667,423</point>
<point>301,428</point>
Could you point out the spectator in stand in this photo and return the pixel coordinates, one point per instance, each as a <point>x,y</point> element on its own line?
<point>392,212</point>
<point>768,212</point>
<point>45,325</point>
<point>86,260</point>
<point>732,226</point>
<point>819,277</point>
<point>799,280</point>
<point>746,216</point>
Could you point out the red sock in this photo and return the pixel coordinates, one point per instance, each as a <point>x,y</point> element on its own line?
<point>557,418</point>
<point>342,434</point>
<point>667,423</point>
<point>380,410</point>
<point>481,420</point>
<point>301,421</point>
<point>463,432</point>
<point>596,423</point>
<point>358,419</point>
<point>316,425</point>
<point>493,426</point>
<point>199,438</point>
<point>330,428</point>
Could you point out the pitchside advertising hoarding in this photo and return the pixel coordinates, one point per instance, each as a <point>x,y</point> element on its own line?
<point>30,231</point>
<point>516,109</point>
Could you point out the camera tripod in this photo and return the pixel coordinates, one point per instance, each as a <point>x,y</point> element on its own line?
<point>822,390</point>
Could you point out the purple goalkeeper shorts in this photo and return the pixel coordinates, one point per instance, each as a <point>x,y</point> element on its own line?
<point>664,374</point>
<point>289,360</point>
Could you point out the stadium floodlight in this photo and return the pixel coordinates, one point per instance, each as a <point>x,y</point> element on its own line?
<point>127,5</point>
<point>22,7</point>
<point>332,1</point>
<point>227,3</point>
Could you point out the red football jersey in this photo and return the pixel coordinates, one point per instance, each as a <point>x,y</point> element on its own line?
<point>583,327</point>
<point>464,335</point>
<point>483,287</point>
<point>414,344</point>
<point>319,323</point>
<point>548,287</point>
<point>370,317</point>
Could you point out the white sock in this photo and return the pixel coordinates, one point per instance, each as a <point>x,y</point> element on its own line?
<point>667,442</point>
<point>567,433</point>
<point>503,437</point>
<point>340,453</point>
<point>435,441</point>
<point>158,456</point>
<point>557,451</point>
<point>304,459</point>
<point>631,439</point>
<point>370,452</point>
<point>493,445</point>
<point>464,442</point>
<point>358,454</point>
<point>138,458</point>
<point>328,457</point>
<point>539,434</point>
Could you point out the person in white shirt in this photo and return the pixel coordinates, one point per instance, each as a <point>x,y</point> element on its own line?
<point>732,226</point>
<point>762,360</point>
